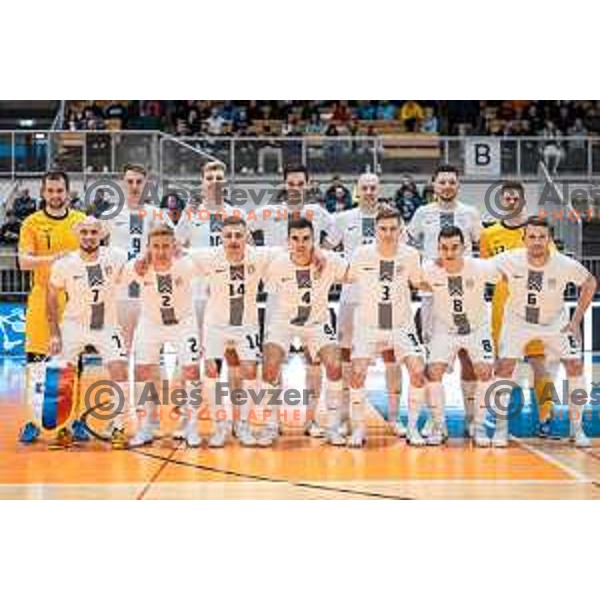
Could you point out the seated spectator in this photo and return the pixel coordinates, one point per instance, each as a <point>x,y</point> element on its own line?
<point>76,201</point>
<point>24,205</point>
<point>100,204</point>
<point>430,123</point>
<point>175,205</point>
<point>315,125</point>
<point>337,197</point>
<point>116,110</point>
<point>427,196</point>
<point>407,199</point>
<point>341,112</point>
<point>411,115</point>
<point>386,111</point>
<point>215,122</point>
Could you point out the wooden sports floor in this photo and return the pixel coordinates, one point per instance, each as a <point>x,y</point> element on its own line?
<point>296,468</point>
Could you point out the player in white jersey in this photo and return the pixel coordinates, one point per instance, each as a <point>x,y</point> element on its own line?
<point>128,230</point>
<point>299,309</point>
<point>357,228</point>
<point>272,224</point>
<point>535,310</point>
<point>167,316</point>
<point>383,319</point>
<point>234,271</point>
<point>461,321</point>
<point>423,230</point>
<point>90,277</point>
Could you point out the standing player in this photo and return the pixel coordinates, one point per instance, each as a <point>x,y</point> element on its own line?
<point>500,237</point>
<point>233,272</point>
<point>299,293</point>
<point>89,279</point>
<point>460,322</point>
<point>424,228</point>
<point>536,278</point>
<point>383,319</point>
<point>273,229</point>
<point>46,236</point>
<point>166,316</point>
<point>357,228</point>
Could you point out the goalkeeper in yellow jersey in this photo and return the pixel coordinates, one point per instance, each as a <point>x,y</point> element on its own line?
<point>508,235</point>
<point>46,236</point>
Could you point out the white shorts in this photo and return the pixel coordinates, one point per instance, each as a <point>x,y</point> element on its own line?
<point>370,342</point>
<point>108,342</point>
<point>245,340</point>
<point>557,345</point>
<point>200,303</point>
<point>426,317</point>
<point>150,338</point>
<point>313,337</point>
<point>444,347</point>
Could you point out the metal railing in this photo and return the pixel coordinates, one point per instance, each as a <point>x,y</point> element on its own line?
<point>29,153</point>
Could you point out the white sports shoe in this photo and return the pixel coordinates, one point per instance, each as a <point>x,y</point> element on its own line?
<point>427,428</point>
<point>500,438</point>
<point>192,439</point>
<point>142,437</point>
<point>581,440</point>
<point>313,429</point>
<point>357,438</point>
<point>219,437</point>
<point>469,428</point>
<point>436,437</point>
<point>244,434</point>
<point>345,427</point>
<point>480,437</point>
<point>414,438</point>
<point>334,438</point>
<point>268,435</point>
<point>399,429</point>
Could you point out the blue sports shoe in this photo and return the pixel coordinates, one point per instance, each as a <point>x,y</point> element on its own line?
<point>80,432</point>
<point>545,430</point>
<point>29,433</point>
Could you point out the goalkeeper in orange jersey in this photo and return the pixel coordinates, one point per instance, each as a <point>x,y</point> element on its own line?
<point>504,235</point>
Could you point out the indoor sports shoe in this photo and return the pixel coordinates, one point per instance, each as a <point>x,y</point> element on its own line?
<point>244,434</point>
<point>29,433</point>
<point>357,438</point>
<point>313,429</point>
<point>334,438</point>
<point>544,430</point>
<point>581,440</point>
<point>414,437</point>
<point>500,440</point>
<point>143,437</point>
<point>62,440</point>
<point>399,429</point>
<point>436,437</point>
<point>268,435</point>
<point>80,431</point>
<point>427,428</point>
<point>480,437</point>
<point>193,439</point>
<point>345,428</point>
<point>219,437</point>
<point>118,439</point>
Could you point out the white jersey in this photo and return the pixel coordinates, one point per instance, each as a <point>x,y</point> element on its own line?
<point>91,287</point>
<point>428,220</point>
<point>459,306</point>
<point>273,221</point>
<point>130,227</point>
<point>357,228</point>
<point>232,286</point>
<point>536,295</point>
<point>299,295</point>
<point>201,227</point>
<point>165,296</point>
<point>384,297</point>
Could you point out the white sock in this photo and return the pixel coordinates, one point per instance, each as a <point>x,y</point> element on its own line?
<point>393,380</point>
<point>480,405</point>
<point>345,407</point>
<point>333,397</point>
<point>500,407</point>
<point>271,412</point>
<point>416,400</point>
<point>576,409</point>
<point>121,416</point>
<point>314,381</point>
<point>435,396</point>
<point>190,411</point>
<point>248,407</point>
<point>357,407</point>
<point>144,404</point>
<point>468,392</point>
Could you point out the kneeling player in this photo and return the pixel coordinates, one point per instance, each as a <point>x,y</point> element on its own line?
<point>233,273</point>
<point>535,310</point>
<point>383,319</point>
<point>90,279</point>
<point>167,316</point>
<point>460,322</point>
<point>298,298</point>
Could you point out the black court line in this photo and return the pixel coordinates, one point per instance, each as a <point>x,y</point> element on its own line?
<point>156,475</point>
<point>170,460</point>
